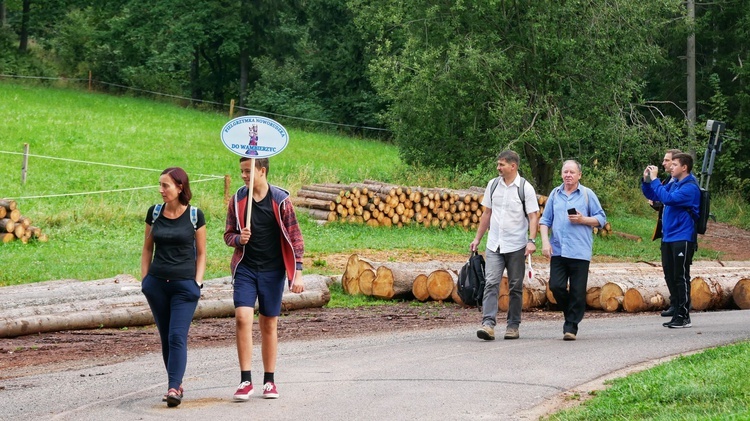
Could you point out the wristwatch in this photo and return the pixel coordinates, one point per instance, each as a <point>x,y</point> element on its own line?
<point>531,240</point>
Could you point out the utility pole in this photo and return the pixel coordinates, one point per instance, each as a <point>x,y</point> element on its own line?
<point>691,72</point>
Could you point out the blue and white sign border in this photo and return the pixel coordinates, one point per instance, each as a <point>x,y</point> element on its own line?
<point>272,135</point>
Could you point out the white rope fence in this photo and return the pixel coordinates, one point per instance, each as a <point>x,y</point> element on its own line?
<point>205,177</point>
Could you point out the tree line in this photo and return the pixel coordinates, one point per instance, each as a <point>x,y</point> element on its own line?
<point>453,82</point>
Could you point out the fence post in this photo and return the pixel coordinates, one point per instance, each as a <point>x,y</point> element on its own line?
<point>227,182</point>
<point>231,109</point>
<point>89,80</point>
<point>25,165</point>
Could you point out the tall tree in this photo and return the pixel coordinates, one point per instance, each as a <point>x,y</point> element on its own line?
<point>553,80</point>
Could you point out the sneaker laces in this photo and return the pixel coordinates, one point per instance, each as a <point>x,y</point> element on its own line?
<point>243,385</point>
<point>268,387</point>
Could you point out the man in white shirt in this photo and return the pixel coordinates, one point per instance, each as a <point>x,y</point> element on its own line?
<point>508,220</point>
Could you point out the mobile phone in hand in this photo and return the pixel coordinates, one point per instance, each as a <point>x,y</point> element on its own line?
<point>572,211</point>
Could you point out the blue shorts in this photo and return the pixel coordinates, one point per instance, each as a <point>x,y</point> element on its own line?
<point>266,286</point>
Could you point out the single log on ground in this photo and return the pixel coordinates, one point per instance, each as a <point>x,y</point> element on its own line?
<point>625,235</point>
<point>351,271</point>
<point>711,293</point>
<point>646,298</point>
<point>133,310</point>
<point>310,203</point>
<point>419,288</point>
<point>329,197</point>
<point>7,225</point>
<point>394,280</point>
<point>593,290</point>
<point>340,189</point>
<point>503,295</point>
<point>741,293</point>
<point>319,215</point>
<point>7,237</point>
<point>612,290</point>
<point>8,204</point>
<point>365,281</point>
<point>613,304</point>
<point>440,284</point>
<point>534,293</point>
<point>454,294</point>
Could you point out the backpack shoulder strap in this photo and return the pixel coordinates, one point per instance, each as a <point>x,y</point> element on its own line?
<point>157,211</point>
<point>194,216</point>
<point>492,188</point>
<point>522,196</point>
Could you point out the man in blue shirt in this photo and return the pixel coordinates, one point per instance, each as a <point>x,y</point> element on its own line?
<point>681,200</point>
<point>572,211</point>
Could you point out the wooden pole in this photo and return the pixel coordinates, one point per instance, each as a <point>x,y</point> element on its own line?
<point>25,165</point>
<point>250,193</point>
<point>227,182</point>
<point>89,80</point>
<point>231,109</point>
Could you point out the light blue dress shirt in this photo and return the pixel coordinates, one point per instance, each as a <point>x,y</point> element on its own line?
<point>574,241</point>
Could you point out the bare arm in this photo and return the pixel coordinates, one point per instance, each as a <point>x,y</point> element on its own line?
<point>200,256</point>
<point>147,253</point>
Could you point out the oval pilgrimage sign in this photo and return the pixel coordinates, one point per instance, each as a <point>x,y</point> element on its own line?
<point>254,136</point>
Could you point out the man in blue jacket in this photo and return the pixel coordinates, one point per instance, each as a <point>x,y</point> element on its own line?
<point>681,200</point>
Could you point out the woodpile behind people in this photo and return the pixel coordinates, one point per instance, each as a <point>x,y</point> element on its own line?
<point>379,204</point>
<point>14,226</point>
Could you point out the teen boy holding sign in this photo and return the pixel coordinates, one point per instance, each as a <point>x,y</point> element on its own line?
<point>266,252</point>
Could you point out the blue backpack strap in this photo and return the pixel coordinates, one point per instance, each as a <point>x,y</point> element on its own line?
<point>194,216</point>
<point>156,212</point>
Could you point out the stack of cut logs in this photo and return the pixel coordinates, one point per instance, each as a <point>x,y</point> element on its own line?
<point>14,226</point>
<point>611,287</point>
<point>378,204</point>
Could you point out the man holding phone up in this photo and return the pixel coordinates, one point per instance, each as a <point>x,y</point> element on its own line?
<point>571,211</point>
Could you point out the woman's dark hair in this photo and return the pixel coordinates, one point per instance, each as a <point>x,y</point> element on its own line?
<point>180,178</point>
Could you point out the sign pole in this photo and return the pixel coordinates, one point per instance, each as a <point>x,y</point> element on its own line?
<point>250,193</point>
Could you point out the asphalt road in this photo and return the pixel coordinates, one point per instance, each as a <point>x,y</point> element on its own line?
<point>425,375</point>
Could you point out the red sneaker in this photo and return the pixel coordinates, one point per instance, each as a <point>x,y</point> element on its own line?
<point>244,390</point>
<point>269,391</point>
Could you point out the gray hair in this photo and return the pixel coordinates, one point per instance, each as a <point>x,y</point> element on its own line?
<point>578,164</point>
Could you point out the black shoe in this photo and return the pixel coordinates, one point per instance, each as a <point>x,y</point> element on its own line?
<point>668,312</point>
<point>174,397</point>
<point>679,323</point>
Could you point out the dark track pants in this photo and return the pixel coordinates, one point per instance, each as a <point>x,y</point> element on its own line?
<point>173,304</point>
<point>567,280</point>
<point>676,258</point>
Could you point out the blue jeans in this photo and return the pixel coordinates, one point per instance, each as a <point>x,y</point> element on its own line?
<point>173,304</point>
<point>495,264</point>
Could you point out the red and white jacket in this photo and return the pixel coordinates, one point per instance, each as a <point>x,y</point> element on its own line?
<point>292,245</point>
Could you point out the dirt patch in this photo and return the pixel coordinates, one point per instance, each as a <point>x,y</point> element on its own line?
<point>59,351</point>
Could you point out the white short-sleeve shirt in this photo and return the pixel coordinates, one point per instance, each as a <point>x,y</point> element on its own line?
<point>508,231</point>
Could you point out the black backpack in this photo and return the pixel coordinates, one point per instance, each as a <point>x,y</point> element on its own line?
<point>471,281</point>
<point>704,210</point>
